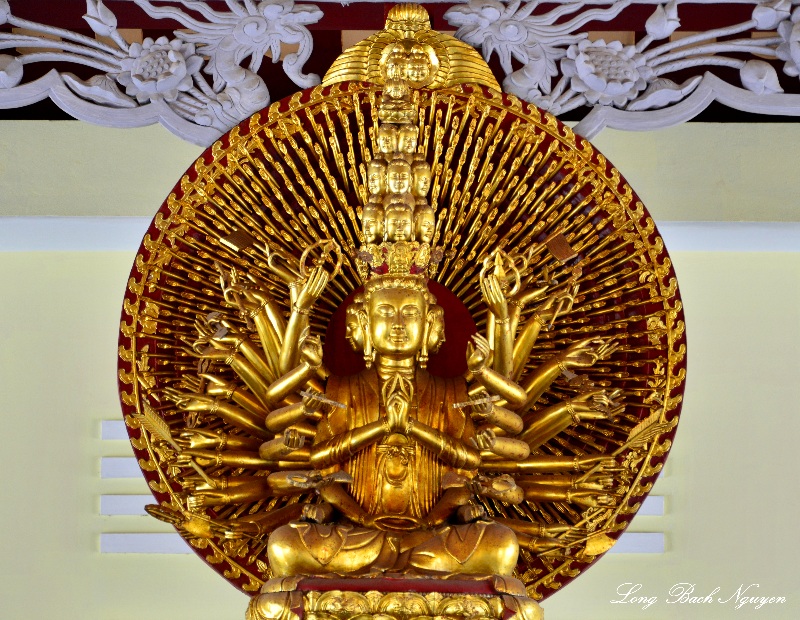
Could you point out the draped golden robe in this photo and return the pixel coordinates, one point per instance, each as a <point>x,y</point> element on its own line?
<point>396,480</point>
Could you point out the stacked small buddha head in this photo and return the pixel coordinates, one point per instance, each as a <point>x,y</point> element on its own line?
<point>398,224</point>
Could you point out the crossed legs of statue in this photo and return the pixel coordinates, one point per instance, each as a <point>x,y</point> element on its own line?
<point>481,547</point>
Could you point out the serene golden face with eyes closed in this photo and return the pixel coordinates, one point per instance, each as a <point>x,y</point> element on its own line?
<point>407,139</point>
<point>372,223</point>
<point>354,332</point>
<point>425,225</point>
<point>399,221</point>
<point>387,139</point>
<point>422,180</point>
<point>398,176</point>
<point>397,321</point>
<point>376,177</point>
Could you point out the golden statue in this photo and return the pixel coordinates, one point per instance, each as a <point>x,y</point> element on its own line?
<point>311,474</point>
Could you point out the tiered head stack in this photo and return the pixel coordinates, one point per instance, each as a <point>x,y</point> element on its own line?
<point>398,224</point>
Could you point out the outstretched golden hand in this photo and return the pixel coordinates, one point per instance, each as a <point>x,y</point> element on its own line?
<point>479,354</point>
<point>311,289</point>
<point>597,404</point>
<point>586,353</point>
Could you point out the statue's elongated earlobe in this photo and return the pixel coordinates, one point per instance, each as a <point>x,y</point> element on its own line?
<point>369,352</point>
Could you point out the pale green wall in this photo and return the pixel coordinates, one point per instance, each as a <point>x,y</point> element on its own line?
<point>728,172</point>
<point>732,497</point>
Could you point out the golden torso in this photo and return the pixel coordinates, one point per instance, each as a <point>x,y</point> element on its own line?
<point>396,480</point>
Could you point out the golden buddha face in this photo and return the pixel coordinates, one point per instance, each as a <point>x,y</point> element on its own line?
<point>399,219</point>
<point>354,332</point>
<point>425,225</point>
<point>398,176</point>
<point>396,89</point>
<point>419,66</point>
<point>397,319</point>
<point>376,177</point>
<point>394,63</point>
<point>422,179</point>
<point>372,223</point>
<point>436,330</point>
<point>387,139</point>
<point>407,139</point>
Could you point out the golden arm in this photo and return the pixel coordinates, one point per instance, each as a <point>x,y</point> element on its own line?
<point>557,303</point>
<point>232,391</point>
<point>233,491</point>
<point>290,382</point>
<point>307,410</point>
<point>452,451</point>
<point>270,326</point>
<point>290,352</point>
<point>547,423</point>
<point>548,464</point>
<point>253,355</point>
<point>507,448</point>
<point>343,446</point>
<point>478,355</point>
<point>505,420</point>
<point>524,343</point>
<point>596,404</point>
<point>539,381</point>
<point>204,439</point>
<point>270,342</point>
<point>498,326</point>
<point>302,302</point>
<point>581,354</point>
<point>547,493</point>
<point>337,496</point>
<point>254,381</point>
<point>495,383</point>
<point>217,407</point>
<point>237,458</point>
<point>284,448</point>
<point>590,482</point>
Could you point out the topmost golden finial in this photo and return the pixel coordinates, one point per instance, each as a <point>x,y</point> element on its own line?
<point>408,18</point>
<point>409,45</point>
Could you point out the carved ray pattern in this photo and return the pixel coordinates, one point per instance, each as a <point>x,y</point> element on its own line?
<point>202,80</point>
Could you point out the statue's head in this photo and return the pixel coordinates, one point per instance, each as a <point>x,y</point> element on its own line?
<point>393,62</point>
<point>372,219</point>
<point>387,138</point>
<point>398,176</point>
<point>376,177</point>
<point>407,136</point>
<point>424,224</point>
<point>421,65</point>
<point>421,172</point>
<point>396,89</point>
<point>354,329</point>
<point>399,218</point>
<point>398,318</point>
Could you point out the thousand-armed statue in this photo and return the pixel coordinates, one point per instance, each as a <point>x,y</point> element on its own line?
<point>401,326</point>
